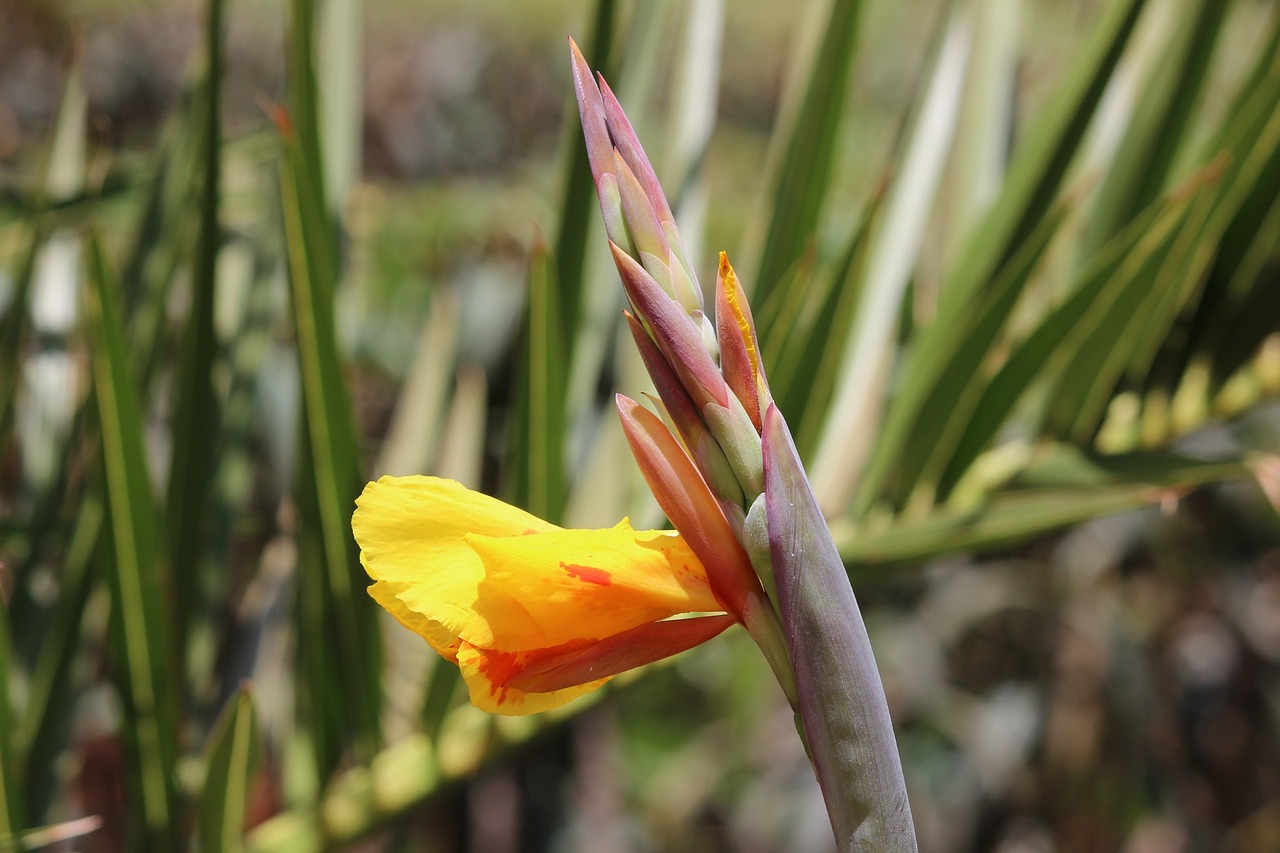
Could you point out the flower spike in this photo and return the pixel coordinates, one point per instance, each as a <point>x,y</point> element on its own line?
<point>712,385</point>
<point>595,129</point>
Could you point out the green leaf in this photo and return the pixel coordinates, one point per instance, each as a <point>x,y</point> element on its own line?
<point>1068,488</point>
<point>895,247</point>
<point>1126,345</point>
<point>133,554</point>
<point>1158,130</point>
<point>339,628</point>
<point>538,426</point>
<point>800,186</point>
<point>231,757</point>
<point>1041,160</point>
<point>13,326</point>
<point>195,407</point>
<point>1124,260</point>
<point>164,230</point>
<point>577,207</point>
<point>11,807</point>
<point>805,347</point>
<point>1038,169</point>
<point>956,354</point>
<point>442,689</point>
<point>338,37</point>
<point>1231,319</point>
<point>45,717</point>
<point>339,643</point>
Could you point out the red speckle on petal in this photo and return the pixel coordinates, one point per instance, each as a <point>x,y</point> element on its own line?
<point>590,574</point>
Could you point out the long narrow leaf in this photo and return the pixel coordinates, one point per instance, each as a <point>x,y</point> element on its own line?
<point>577,207</point>
<point>195,407</point>
<point>803,178</point>
<point>342,619</point>
<point>11,807</point>
<point>230,762</point>
<point>144,640</point>
<point>1155,135</point>
<point>1041,160</point>
<point>960,353</point>
<point>1123,260</point>
<point>890,267</point>
<point>538,431</point>
<point>46,715</point>
<point>1076,492</point>
<point>1037,171</point>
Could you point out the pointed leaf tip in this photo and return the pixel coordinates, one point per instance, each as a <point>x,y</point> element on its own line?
<point>739,347</point>
<point>591,111</point>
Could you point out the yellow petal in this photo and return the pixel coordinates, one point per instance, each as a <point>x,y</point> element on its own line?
<point>498,590</point>
<point>552,588</point>
<point>411,533</point>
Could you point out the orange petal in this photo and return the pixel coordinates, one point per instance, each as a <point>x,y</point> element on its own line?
<point>687,500</point>
<point>628,650</point>
<point>486,672</point>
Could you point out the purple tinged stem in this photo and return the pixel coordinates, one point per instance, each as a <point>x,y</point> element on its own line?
<point>842,703</point>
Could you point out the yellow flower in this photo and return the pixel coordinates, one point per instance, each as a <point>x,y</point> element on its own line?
<point>533,614</point>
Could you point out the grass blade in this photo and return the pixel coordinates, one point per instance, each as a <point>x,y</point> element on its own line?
<point>1041,160</point>
<point>231,758</point>
<point>890,267</point>
<point>1154,137</point>
<point>340,647</point>
<point>1079,489</point>
<point>195,406</point>
<point>142,636</point>
<point>1037,172</point>
<point>803,177</point>
<point>958,353</point>
<point>338,34</point>
<point>11,807</point>
<point>537,441</point>
<point>1031,360</point>
<point>46,715</point>
<point>578,206</point>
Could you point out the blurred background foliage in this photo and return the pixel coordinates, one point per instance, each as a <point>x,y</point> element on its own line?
<point>1015,268</point>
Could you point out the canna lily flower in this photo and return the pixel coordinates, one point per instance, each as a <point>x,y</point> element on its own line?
<point>533,614</point>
